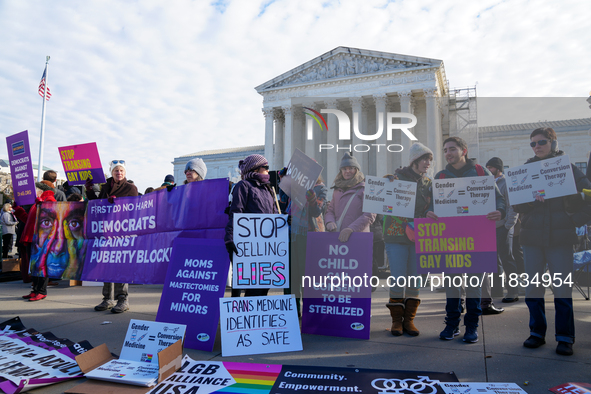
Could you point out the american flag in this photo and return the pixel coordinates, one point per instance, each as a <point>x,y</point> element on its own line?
<point>42,86</point>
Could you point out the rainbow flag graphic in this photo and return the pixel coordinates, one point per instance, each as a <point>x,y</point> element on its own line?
<point>389,210</point>
<point>250,379</point>
<point>464,209</point>
<point>542,193</point>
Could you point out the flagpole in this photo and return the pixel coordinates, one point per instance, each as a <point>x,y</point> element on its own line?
<point>42,137</point>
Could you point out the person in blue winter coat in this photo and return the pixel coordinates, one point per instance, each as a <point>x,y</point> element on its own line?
<point>455,150</point>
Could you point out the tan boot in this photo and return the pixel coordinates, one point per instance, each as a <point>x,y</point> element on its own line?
<point>396,307</point>
<point>410,311</point>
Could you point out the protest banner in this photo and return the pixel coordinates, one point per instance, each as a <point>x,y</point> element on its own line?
<point>138,362</point>
<point>548,178</point>
<point>397,198</point>
<point>130,240</point>
<point>259,325</point>
<point>337,290</point>
<point>572,388</point>
<point>471,196</point>
<point>195,280</point>
<point>231,377</point>
<point>82,162</point>
<point>21,168</point>
<point>302,173</point>
<point>452,245</point>
<point>262,261</point>
<point>484,388</point>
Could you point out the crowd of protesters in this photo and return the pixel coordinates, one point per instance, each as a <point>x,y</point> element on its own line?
<point>531,237</point>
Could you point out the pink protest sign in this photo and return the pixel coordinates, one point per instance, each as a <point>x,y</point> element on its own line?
<point>456,245</point>
<point>82,162</point>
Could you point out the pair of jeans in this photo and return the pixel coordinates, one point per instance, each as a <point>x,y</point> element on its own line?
<point>403,263</point>
<point>559,261</point>
<point>453,306</point>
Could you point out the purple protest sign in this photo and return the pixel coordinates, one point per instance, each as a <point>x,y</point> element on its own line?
<point>21,168</point>
<point>452,245</point>
<point>337,292</point>
<point>82,162</point>
<point>195,281</point>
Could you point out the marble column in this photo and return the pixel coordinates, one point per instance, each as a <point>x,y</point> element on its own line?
<point>406,107</point>
<point>433,134</point>
<point>287,135</point>
<point>382,141</point>
<point>268,113</point>
<point>298,129</point>
<point>359,119</point>
<point>279,137</point>
<point>332,159</point>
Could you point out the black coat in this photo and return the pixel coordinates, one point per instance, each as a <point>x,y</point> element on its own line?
<point>552,222</point>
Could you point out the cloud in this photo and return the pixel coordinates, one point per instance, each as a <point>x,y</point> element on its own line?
<point>150,81</point>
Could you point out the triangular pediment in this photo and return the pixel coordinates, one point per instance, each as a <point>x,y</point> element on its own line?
<point>345,62</point>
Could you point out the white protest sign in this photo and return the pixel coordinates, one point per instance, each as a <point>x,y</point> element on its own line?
<point>196,376</point>
<point>397,198</point>
<point>302,173</point>
<point>262,261</point>
<point>258,325</point>
<point>471,196</point>
<point>470,387</point>
<point>548,178</point>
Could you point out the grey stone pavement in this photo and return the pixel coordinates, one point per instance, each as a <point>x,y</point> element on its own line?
<point>497,357</point>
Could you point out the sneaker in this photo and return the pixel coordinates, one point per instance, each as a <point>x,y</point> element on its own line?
<point>122,306</point>
<point>37,297</point>
<point>31,294</point>
<point>449,333</point>
<point>471,335</point>
<point>564,348</point>
<point>534,342</point>
<point>103,306</point>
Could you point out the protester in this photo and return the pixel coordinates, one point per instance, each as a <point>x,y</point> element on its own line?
<point>459,166</point>
<point>116,186</point>
<point>345,210</point>
<point>149,190</point>
<point>253,194</point>
<point>167,184</point>
<point>69,190</point>
<point>49,178</point>
<point>75,197</point>
<point>9,223</point>
<point>504,261</point>
<point>400,243</point>
<point>195,170</point>
<point>547,237</point>
<point>39,290</point>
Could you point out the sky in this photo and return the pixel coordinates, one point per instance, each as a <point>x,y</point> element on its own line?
<point>149,81</point>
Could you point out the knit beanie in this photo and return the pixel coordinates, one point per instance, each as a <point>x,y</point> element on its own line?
<point>169,178</point>
<point>116,163</point>
<point>198,166</point>
<point>349,161</point>
<point>496,163</point>
<point>251,163</point>
<point>416,151</point>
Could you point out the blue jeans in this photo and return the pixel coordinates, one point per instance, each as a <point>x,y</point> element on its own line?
<point>453,308</point>
<point>558,260</point>
<point>403,262</point>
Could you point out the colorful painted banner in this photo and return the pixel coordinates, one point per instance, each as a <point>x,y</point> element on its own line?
<point>195,280</point>
<point>259,325</point>
<point>471,196</point>
<point>21,168</point>
<point>243,378</point>
<point>82,162</point>
<point>456,245</point>
<point>548,178</point>
<point>130,240</point>
<point>302,173</point>
<point>396,198</point>
<point>262,261</point>
<point>337,290</point>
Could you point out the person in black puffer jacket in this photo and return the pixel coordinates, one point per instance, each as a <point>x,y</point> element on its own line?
<point>547,237</point>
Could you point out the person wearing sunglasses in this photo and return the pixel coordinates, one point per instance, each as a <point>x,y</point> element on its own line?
<point>547,237</point>
<point>114,294</point>
<point>253,194</point>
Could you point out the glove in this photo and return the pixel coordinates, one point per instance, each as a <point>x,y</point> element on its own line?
<point>391,178</point>
<point>170,187</point>
<point>331,226</point>
<point>282,173</point>
<point>231,248</point>
<point>88,185</point>
<point>345,234</point>
<point>310,195</point>
<point>111,199</point>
